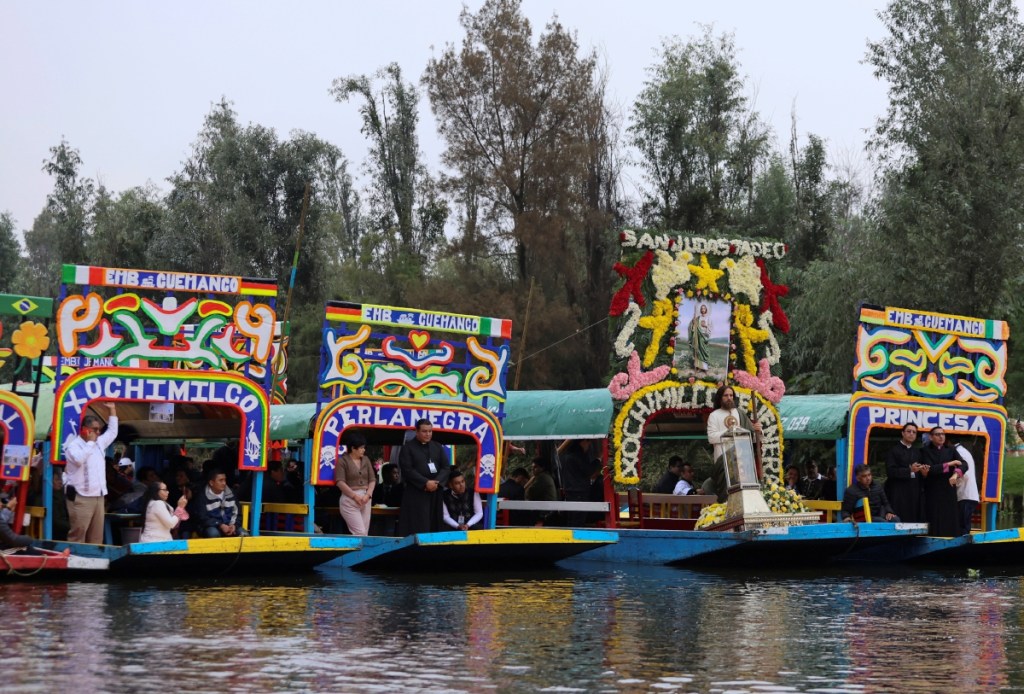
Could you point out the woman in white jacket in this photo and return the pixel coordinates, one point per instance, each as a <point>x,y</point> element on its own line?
<point>160,518</point>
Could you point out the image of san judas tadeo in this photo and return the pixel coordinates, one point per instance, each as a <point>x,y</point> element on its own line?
<point>702,339</point>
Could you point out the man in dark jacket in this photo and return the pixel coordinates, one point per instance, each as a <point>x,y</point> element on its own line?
<point>669,480</point>
<point>864,488</point>
<point>215,510</point>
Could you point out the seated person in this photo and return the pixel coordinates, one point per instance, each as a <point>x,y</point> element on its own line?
<point>389,492</point>
<point>685,485</point>
<point>793,478</point>
<point>8,538</point>
<point>276,487</point>
<point>669,480</point>
<point>514,489</point>
<point>130,501</point>
<point>813,485</point>
<point>214,509</point>
<point>161,518</point>
<point>831,488</point>
<point>864,488</point>
<point>181,486</point>
<point>462,509</point>
<point>540,487</point>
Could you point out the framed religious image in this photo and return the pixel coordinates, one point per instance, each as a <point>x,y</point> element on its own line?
<point>702,339</point>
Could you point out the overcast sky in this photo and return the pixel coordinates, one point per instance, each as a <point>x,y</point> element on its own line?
<point>128,83</point>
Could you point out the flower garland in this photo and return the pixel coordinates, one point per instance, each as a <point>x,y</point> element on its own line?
<point>770,302</point>
<point>645,402</point>
<point>670,272</point>
<point>658,323</point>
<point>773,352</point>
<point>697,244</point>
<point>772,387</point>
<point>623,343</point>
<point>634,277</point>
<point>707,276</point>
<point>744,277</point>
<point>747,335</point>
<point>625,384</point>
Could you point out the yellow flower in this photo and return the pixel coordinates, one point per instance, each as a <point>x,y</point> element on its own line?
<point>30,340</point>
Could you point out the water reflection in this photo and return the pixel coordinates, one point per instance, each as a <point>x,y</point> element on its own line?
<point>599,627</point>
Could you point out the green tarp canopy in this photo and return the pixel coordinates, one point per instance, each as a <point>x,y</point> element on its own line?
<point>532,415</point>
<point>814,416</point>
<point>554,414</point>
<point>291,421</point>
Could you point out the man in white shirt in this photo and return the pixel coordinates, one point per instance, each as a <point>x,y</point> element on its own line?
<point>967,496</point>
<point>727,416</point>
<point>85,458</point>
<point>685,484</point>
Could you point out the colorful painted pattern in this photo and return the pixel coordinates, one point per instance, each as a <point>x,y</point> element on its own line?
<point>869,412</point>
<point>402,414</point>
<point>19,429</point>
<point>902,352</point>
<point>165,386</point>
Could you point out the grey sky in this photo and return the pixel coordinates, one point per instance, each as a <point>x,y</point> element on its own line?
<point>128,83</point>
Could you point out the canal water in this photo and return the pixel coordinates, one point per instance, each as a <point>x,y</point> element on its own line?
<point>589,627</point>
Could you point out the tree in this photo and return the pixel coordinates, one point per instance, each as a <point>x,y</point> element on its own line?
<point>60,233</point>
<point>407,209</point>
<point>124,227</point>
<point>952,146</point>
<point>10,255</point>
<point>527,135</point>
<point>700,142</point>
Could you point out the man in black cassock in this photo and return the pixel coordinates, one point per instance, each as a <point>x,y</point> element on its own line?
<point>903,477</point>
<point>941,467</point>
<point>425,470</point>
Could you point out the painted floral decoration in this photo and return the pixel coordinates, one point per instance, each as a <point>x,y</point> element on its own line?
<point>30,340</point>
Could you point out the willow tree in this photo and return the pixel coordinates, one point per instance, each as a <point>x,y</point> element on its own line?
<point>529,139</point>
<point>701,143</point>
<point>407,213</point>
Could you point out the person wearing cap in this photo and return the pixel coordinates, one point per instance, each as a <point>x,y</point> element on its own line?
<point>86,476</point>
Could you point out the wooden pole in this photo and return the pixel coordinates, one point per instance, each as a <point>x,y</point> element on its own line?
<point>285,319</point>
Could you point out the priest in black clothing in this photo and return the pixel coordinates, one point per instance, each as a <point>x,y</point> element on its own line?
<point>903,476</point>
<point>669,480</point>
<point>941,468</point>
<point>425,469</point>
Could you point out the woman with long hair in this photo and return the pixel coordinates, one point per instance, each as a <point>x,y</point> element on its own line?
<point>160,519</point>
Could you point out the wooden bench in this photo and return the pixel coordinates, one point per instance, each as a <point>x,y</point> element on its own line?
<point>663,511</point>
<point>286,518</point>
<point>831,511</point>
<point>506,505</point>
<point>37,514</point>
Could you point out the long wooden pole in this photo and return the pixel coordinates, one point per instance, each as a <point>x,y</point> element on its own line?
<point>285,319</point>
<point>522,338</point>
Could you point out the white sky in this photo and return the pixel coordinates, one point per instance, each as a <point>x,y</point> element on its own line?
<point>129,83</point>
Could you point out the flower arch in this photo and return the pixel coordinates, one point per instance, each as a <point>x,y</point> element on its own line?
<point>644,403</point>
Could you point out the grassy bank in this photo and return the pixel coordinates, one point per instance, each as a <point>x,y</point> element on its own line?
<point>1013,475</point>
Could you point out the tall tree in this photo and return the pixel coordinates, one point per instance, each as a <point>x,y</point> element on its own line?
<point>124,226</point>
<point>10,255</point>
<point>952,145</point>
<point>406,207</point>
<point>60,234</point>
<point>701,144</point>
<point>527,136</point>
